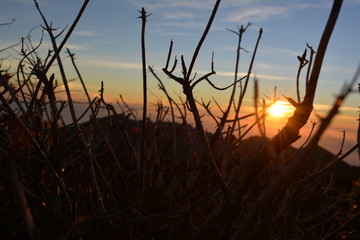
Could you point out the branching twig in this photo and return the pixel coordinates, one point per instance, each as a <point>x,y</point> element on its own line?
<point>302,64</point>
<point>312,52</point>
<point>242,93</point>
<point>188,91</point>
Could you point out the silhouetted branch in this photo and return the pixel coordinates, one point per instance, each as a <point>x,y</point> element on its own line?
<point>6,48</point>
<point>68,34</point>
<point>144,75</point>
<point>302,64</point>
<point>197,50</point>
<point>231,101</point>
<point>312,52</point>
<point>313,124</point>
<point>290,132</point>
<point>8,23</point>
<point>242,93</point>
<point>171,101</point>
<point>191,103</point>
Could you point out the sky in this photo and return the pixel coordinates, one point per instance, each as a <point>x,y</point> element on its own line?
<point>107,46</point>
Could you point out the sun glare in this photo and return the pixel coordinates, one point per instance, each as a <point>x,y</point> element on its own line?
<point>279,109</point>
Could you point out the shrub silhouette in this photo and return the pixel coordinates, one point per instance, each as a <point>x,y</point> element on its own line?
<point>118,177</point>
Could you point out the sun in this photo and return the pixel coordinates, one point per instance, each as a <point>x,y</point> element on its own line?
<point>279,109</point>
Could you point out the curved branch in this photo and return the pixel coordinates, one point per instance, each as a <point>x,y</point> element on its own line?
<point>290,133</point>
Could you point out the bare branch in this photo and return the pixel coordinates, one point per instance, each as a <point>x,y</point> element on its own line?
<point>197,50</point>
<point>302,63</point>
<point>312,52</point>
<point>242,93</point>
<point>290,132</point>
<point>8,23</point>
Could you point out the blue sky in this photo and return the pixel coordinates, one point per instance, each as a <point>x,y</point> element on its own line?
<point>107,43</point>
<point>107,39</point>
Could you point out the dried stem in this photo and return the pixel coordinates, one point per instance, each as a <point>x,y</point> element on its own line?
<point>188,91</point>
<point>207,29</point>
<point>143,132</point>
<point>302,64</point>
<point>242,93</point>
<point>224,118</point>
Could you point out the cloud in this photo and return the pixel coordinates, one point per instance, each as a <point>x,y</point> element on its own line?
<point>228,48</point>
<point>259,76</point>
<point>77,47</point>
<point>285,52</point>
<point>353,2</point>
<point>257,13</point>
<point>178,15</point>
<point>182,4</point>
<point>110,64</point>
<point>320,4</point>
<point>169,33</point>
<point>187,24</point>
<point>261,12</point>
<point>328,107</point>
<point>84,33</point>
<point>274,77</point>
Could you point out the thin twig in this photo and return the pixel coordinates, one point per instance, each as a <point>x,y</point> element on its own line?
<point>144,75</point>
<point>242,93</point>
<point>197,50</point>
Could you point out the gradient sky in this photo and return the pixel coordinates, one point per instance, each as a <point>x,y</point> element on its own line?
<point>107,45</point>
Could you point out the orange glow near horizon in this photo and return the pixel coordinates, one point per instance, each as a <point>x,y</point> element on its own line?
<point>280,109</point>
